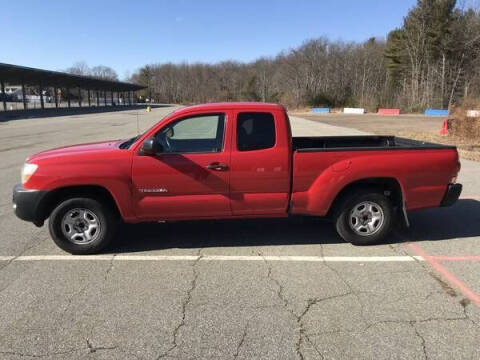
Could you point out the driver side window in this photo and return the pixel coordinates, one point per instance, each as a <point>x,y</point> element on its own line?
<point>196,134</point>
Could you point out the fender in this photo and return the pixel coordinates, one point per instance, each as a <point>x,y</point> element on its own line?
<point>323,191</point>
<point>112,174</point>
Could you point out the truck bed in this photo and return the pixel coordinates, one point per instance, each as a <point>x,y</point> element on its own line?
<point>321,165</point>
<point>368,142</point>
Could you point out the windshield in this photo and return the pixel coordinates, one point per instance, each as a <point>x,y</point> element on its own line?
<point>126,144</point>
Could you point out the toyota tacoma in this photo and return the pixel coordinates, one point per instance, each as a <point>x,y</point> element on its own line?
<point>232,161</point>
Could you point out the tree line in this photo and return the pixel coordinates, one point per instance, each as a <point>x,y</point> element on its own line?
<point>432,60</point>
<point>99,71</point>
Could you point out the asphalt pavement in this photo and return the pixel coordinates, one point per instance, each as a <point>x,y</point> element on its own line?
<point>244,289</point>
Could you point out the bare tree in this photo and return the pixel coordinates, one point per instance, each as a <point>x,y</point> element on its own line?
<point>99,71</point>
<point>79,68</point>
<point>104,72</point>
<point>432,60</point>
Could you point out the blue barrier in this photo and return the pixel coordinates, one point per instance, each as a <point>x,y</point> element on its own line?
<point>320,110</point>
<point>436,112</point>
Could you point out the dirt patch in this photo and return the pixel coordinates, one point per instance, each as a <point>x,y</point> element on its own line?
<point>465,302</point>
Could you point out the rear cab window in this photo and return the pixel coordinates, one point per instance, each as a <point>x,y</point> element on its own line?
<point>255,131</point>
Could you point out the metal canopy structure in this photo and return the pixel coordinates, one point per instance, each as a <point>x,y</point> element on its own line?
<point>42,79</point>
<point>32,76</point>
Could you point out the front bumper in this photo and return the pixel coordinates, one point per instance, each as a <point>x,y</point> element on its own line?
<point>27,204</point>
<point>451,194</point>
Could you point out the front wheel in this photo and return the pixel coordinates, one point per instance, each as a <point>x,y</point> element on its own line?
<point>365,218</point>
<point>82,226</point>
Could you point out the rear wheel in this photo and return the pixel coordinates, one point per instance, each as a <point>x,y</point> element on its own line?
<point>364,218</point>
<point>82,226</point>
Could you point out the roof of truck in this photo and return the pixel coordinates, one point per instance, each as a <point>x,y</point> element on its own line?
<point>232,105</point>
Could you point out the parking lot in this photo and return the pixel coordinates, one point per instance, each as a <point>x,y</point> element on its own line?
<point>245,289</point>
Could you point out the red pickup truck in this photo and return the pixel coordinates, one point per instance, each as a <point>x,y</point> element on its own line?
<point>231,161</point>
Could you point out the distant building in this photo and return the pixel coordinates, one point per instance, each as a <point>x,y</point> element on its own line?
<point>59,88</point>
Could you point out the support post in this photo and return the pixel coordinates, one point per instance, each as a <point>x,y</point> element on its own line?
<point>98,99</point>
<point>118,98</point>
<point>55,93</point>
<point>4,96</point>
<point>111,96</point>
<point>40,88</point>
<point>130,96</point>
<point>79,97</point>
<point>24,98</point>
<point>68,97</point>
<point>89,101</point>
<point>105,98</point>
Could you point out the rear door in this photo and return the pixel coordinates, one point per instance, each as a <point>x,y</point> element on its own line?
<point>260,163</point>
<point>190,179</point>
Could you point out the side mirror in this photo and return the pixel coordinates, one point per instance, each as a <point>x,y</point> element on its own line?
<point>151,147</point>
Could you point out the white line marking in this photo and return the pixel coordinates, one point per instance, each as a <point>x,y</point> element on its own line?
<point>6,258</point>
<point>212,258</point>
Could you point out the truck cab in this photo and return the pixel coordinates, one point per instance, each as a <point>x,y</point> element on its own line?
<point>236,160</point>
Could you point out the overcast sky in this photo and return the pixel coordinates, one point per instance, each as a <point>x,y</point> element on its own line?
<point>126,35</point>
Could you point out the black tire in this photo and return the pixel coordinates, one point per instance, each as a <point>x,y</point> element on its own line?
<point>104,217</point>
<point>343,219</point>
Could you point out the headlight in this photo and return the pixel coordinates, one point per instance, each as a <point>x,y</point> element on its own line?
<point>27,171</point>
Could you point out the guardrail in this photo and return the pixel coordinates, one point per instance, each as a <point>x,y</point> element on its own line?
<point>383,111</point>
<point>354,111</point>
<point>437,112</point>
<point>321,110</point>
<point>473,113</point>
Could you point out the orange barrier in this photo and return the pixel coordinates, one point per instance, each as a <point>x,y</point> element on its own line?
<point>389,111</point>
<point>444,131</point>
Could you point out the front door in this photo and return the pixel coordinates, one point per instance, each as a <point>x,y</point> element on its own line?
<point>190,178</point>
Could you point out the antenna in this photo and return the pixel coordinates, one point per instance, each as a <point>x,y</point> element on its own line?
<point>138,124</point>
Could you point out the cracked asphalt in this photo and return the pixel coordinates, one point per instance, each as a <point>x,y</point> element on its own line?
<point>202,308</point>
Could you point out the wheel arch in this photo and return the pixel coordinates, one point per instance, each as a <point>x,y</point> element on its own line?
<point>96,192</point>
<point>388,186</point>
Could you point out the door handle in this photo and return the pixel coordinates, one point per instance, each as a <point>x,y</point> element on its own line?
<point>217,166</point>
